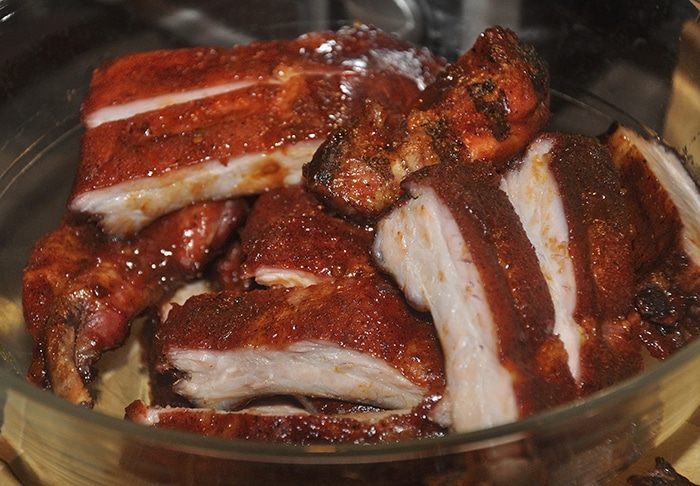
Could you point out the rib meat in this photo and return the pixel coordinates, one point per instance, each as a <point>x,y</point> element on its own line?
<point>290,426</point>
<point>81,290</point>
<point>566,192</point>
<point>291,240</point>
<point>664,203</point>
<point>198,124</point>
<point>353,339</point>
<point>456,248</point>
<point>487,105</point>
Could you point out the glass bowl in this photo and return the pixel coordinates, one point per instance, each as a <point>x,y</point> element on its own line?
<point>624,62</point>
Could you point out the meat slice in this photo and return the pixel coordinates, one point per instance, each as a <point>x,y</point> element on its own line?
<point>148,81</point>
<point>289,426</point>
<point>664,203</point>
<point>566,192</point>
<point>291,240</point>
<point>81,290</point>
<point>487,105</point>
<point>456,247</point>
<point>354,339</point>
<point>283,100</point>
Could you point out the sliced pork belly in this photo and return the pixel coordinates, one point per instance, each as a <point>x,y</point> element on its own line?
<point>235,142</point>
<point>567,195</point>
<point>664,203</point>
<point>289,425</point>
<point>81,290</point>
<point>456,247</point>
<point>291,240</point>
<point>354,339</point>
<point>487,105</point>
<point>149,81</point>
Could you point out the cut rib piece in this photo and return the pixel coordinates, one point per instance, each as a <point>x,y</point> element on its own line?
<point>455,246</point>
<point>81,290</point>
<point>290,426</point>
<point>567,195</point>
<point>292,241</point>
<point>234,142</point>
<point>487,105</point>
<point>664,203</point>
<point>148,81</point>
<point>354,339</point>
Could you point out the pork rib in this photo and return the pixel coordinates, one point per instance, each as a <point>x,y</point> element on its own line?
<point>268,109</point>
<point>291,240</point>
<point>354,339</point>
<point>664,202</point>
<point>81,290</point>
<point>290,426</point>
<point>566,192</point>
<point>456,248</point>
<point>487,105</point>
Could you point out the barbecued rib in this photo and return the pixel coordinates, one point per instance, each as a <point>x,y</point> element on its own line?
<point>236,142</point>
<point>148,81</point>
<point>354,339</point>
<point>291,240</point>
<point>290,426</point>
<point>567,195</point>
<point>81,290</point>
<point>456,248</point>
<point>664,203</point>
<point>487,105</point>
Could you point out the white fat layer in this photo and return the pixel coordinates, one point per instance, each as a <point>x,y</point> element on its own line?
<point>152,414</point>
<point>420,244</point>
<point>680,187</point>
<point>131,108</point>
<point>534,193</point>
<point>281,277</point>
<point>128,206</point>
<point>223,379</point>
<point>114,112</point>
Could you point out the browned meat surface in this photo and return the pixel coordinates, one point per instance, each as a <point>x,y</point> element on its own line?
<point>283,100</point>
<point>291,240</point>
<point>566,192</point>
<point>487,105</point>
<point>664,203</point>
<point>290,426</point>
<point>456,247</point>
<point>147,81</point>
<point>354,339</point>
<point>81,290</point>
